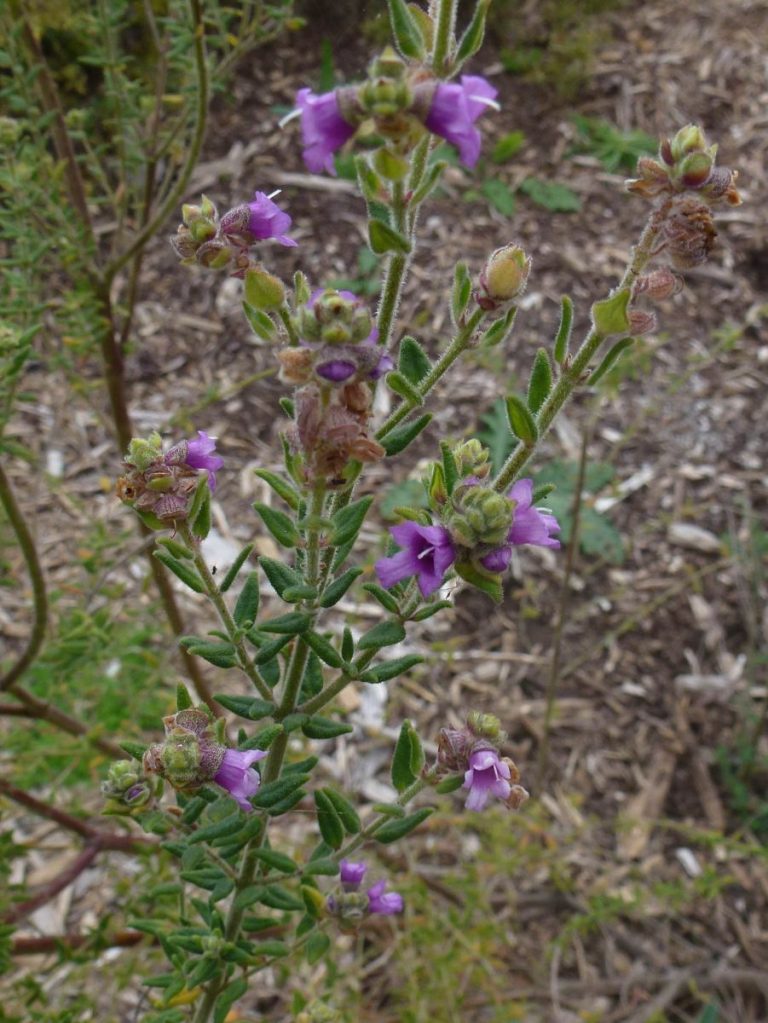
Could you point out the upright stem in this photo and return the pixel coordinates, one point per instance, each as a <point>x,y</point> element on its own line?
<point>39,594</point>
<point>395,274</point>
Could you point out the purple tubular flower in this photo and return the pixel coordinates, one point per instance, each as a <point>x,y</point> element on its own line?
<point>238,777</point>
<point>267,220</point>
<point>529,526</point>
<point>200,455</point>
<point>387,903</point>
<point>487,776</point>
<point>428,554</point>
<point>352,875</point>
<point>323,129</point>
<point>453,113</point>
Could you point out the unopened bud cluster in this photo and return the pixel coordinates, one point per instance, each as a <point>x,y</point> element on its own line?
<point>127,789</point>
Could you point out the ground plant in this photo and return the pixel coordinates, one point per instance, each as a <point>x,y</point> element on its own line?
<point>252,869</point>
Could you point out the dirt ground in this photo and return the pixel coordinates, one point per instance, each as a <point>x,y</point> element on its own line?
<point>662,657</point>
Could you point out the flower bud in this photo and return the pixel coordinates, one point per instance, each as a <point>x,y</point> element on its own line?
<point>486,726</point>
<point>142,453</point>
<point>208,209</point>
<point>472,459</point>
<point>696,169</point>
<point>126,788</point>
<point>295,365</point>
<point>504,276</point>
<point>658,284</point>
<point>479,515</point>
<point>190,213</point>
<point>183,243</point>
<point>641,322</point>
<point>517,796</point>
<point>202,230</point>
<point>689,233</point>
<point>689,139</point>
<point>213,254</point>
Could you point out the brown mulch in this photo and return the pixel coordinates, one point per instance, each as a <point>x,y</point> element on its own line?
<point>660,655</point>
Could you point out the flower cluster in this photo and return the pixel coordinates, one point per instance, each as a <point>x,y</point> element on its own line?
<point>205,239</point>
<point>194,753</point>
<point>477,532</point>
<point>474,751</point>
<point>127,789</point>
<point>392,108</point>
<point>351,904</point>
<point>159,485</point>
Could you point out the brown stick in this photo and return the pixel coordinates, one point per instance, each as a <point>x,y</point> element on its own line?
<point>55,942</point>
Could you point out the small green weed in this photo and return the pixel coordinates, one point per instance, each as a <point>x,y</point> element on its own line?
<point>615,149</point>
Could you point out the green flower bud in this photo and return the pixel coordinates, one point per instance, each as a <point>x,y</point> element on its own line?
<point>485,726</point>
<point>387,65</point>
<point>142,453</point>
<point>202,230</point>
<point>696,169</point>
<point>689,139</point>
<point>472,459</point>
<point>504,276</point>
<point>126,788</point>
<point>479,515</point>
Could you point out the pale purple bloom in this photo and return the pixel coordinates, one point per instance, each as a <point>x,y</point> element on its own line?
<point>267,220</point>
<point>386,903</point>
<point>454,110</point>
<point>428,554</point>
<point>323,129</point>
<point>487,776</point>
<point>238,777</point>
<point>529,526</point>
<point>352,875</point>
<point>201,455</point>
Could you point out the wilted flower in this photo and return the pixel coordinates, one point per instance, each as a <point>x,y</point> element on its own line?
<point>384,903</point>
<point>487,775</point>
<point>454,110</point>
<point>323,129</point>
<point>238,777</point>
<point>428,554</point>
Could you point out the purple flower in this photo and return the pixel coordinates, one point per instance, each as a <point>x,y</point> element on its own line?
<point>385,903</point>
<point>352,875</point>
<point>267,220</point>
<point>529,526</point>
<point>487,776</point>
<point>323,129</point>
<point>454,110</point>
<point>200,455</point>
<point>428,554</point>
<point>238,777</point>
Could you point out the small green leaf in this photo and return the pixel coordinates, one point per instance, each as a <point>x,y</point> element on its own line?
<point>200,516</point>
<point>610,316</point>
<point>386,599</point>
<point>405,29</point>
<point>400,385</point>
<point>336,590</point>
<point>508,146</point>
<point>450,469</point>
<point>181,570</point>
<point>383,634</point>
<point>261,324</point>
<point>461,292</point>
<point>275,791</point>
<point>324,728</point>
<point>183,699</point>
<point>610,359</point>
<point>229,826</point>
<point>326,867</point>
<point>328,820</point>
<point>324,649</point>
<point>563,336</point>
<point>178,550</point>
<point>134,749</point>
<point>276,860</point>
<point>450,784</point>
<point>201,495</point>
<point>346,811</point>
<point>412,361</point>
<point>499,195</point>
<point>472,39</point>
<point>540,383</point>
<point>235,567</point>
<point>316,947</point>
<point>551,195</point>
<point>484,581</point>
<point>391,669</point>
<point>281,487</point>
<point>247,605</point>
<point>279,525</point>
<point>400,438</point>
<point>383,238</point>
<point>267,651</point>
<point>277,897</point>
<point>395,829</point>
<point>521,421</point>
<point>227,998</point>
<point>245,706</point>
<point>499,330</point>
<point>347,521</point>
<point>404,757</point>
<point>280,575</point>
<point>292,624</point>
<point>223,655</point>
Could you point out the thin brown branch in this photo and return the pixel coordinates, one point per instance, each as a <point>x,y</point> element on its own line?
<point>72,941</point>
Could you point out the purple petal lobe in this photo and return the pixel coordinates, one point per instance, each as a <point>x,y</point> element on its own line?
<point>238,777</point>
<point>453,113</point>
<point>427,553</point>
<point>385,903</point>
<point>529,525</point>
<point>336,370</point>
<point>201,455</point>
<point>267,220</point>
<point>352,874</point>
<point>323,129</point>
<point>487,776</point>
